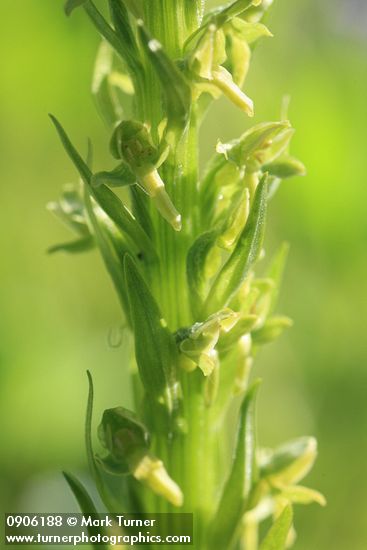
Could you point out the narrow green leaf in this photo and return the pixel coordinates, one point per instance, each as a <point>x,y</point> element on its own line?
<point>86,506</point>
<point>120,46</point>
<point>135,7</point>
<point>107,200</point>
<point>195,267</point>
<point>88,436</point>
<point>140,209</point>
<point>109,254</point>
<point>77,160</point>
<point>72,4</point>
<point>244,255</point>
<point>276,537</point>
<point>176,89</point>
<point>155,348</point>
<point>73,247</point>
<point>104,493</point>
<point>122,217</point>
<point>233,501</point>
<point>120,19</point>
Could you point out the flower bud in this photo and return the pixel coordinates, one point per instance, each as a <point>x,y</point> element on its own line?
<point>127,441</point>
<point>271,330</point>
<point>122,435</point>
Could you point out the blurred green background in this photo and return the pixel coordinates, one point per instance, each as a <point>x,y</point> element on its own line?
<point>57,312</point>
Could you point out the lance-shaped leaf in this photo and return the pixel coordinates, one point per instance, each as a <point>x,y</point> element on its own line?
<point>119,43</point>
<point>70,5</point>
<point>135,7</point>
<point>245,253</point>
<point>120,19</point>
<point>140,209</point>
<point>276,538</point>
<point>195,267</point>
<point>232,505</point>
<point>107,200</point>
<point>109,254</point>
<point>176,89</point>
<point>102,489</point>
<point>86,505</point>
<point>155,349</point>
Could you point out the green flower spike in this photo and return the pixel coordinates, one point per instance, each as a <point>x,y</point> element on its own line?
<point>132,143</point>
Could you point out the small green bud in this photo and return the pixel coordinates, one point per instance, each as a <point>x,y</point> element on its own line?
<point>127,442</point>
<point>242,329</point>
<point>271,330</point>
<point>70,210</point>
<point>123,436</point>
<point>287,167</point>
<point>131,141</point>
